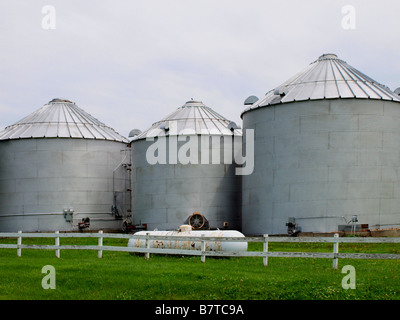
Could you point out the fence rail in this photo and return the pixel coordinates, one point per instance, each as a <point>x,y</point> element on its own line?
<point>147,250</point>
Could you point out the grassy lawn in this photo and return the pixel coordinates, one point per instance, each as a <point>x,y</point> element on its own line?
<point>121,276</point>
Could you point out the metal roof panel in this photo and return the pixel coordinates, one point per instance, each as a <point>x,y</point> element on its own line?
<point>326,78</point>
<point>60,119</point>
<point>192,118</point>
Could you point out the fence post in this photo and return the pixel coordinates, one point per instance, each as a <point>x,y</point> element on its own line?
<point>19,243</point>
<point>57,244</point>
<point>147,254</point>
<point>265,250</point>
<point>203,249</point>
<point>335,251</point>
<point>100,244</point>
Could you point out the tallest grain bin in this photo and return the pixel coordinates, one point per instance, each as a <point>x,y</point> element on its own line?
<point>327,152</point>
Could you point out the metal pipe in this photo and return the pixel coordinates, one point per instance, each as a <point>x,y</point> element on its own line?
<point>322,217</point>
<point>30,214</point>
<point>53,213</point>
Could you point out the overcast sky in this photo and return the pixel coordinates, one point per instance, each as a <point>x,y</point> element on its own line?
<point>130,63</point>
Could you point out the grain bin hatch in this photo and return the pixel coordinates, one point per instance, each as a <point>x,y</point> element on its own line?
<point>134,133</point>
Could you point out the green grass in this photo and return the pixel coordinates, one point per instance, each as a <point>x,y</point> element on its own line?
<point>121,276</point>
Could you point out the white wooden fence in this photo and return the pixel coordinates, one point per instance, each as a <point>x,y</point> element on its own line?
<point>147,250</point>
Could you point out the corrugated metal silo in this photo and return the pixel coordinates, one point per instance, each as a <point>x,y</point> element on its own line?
<point>183,180</point>
<point>57,168</point>
<point>327,147</point>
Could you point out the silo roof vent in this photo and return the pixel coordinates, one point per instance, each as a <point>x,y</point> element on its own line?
<point>327,56</point>
<point>192,102</point>
<point>250,100</point>
<point>55,100</point>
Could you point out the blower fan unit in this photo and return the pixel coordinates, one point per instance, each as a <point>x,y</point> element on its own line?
<point>197,221</point>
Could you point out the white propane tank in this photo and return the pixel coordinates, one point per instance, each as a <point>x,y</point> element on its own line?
<point>191,245</point>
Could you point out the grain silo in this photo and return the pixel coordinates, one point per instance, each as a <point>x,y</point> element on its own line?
<point>57,168</point>
<point>327,145</point>
<point>181,171</point>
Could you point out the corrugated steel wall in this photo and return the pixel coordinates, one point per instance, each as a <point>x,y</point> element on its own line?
<point>320,161</point>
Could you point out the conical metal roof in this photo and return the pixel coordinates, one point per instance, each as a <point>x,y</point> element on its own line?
<point>60,119</point>
<point>326,78</point>
<point>192,118</point>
